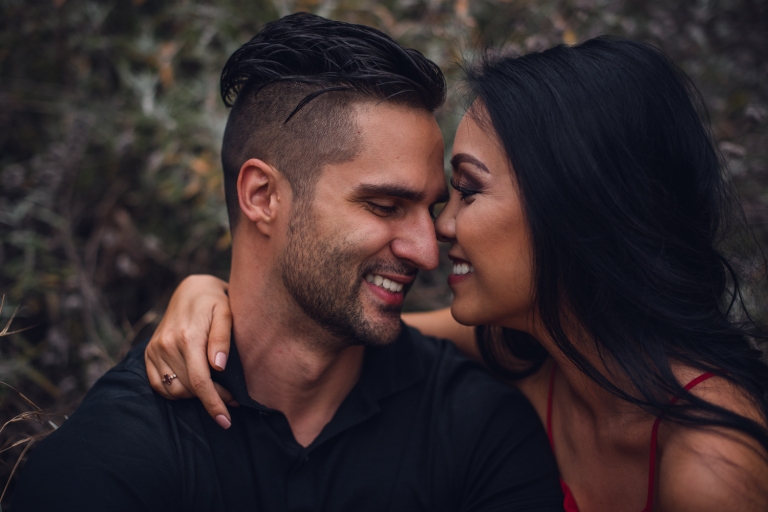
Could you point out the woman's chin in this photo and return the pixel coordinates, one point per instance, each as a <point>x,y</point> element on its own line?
<point>469,313</point>
<point>464,313</point>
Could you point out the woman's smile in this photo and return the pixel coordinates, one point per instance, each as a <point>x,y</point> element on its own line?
<point>484,223</point>
<point>462,270</point>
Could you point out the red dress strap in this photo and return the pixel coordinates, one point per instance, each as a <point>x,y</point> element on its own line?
<point>654,441</point>
<point>569,503</point>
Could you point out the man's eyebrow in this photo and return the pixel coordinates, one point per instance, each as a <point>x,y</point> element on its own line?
<point>390,190</point>
<point>460,158</point>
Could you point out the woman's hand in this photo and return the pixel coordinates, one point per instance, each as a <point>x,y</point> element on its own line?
<point>198,321</point>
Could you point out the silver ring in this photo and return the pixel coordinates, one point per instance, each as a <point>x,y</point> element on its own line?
<point>168,379</point>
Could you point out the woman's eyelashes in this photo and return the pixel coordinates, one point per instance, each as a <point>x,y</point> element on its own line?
<point>464,191</point>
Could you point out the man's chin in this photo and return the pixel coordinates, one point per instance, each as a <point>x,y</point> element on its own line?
<point>380,331</point>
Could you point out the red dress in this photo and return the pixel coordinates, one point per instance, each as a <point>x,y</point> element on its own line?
<point>569,503</point>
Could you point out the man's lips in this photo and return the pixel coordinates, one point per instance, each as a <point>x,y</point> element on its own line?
<point>387,283</point>
<point>398,278</point>
<point>388,287</point>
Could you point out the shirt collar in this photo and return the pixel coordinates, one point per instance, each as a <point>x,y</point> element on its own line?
<point>387,369</point>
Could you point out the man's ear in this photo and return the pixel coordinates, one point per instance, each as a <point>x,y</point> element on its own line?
<point>258,193</point>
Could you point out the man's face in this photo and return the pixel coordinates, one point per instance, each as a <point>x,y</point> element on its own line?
<point>354,249</point>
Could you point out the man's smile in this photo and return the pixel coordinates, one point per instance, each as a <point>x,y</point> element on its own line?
<point>384,282</point>
<point>390,288</point>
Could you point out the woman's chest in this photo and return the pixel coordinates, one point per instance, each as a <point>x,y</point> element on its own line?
<point>604,462</point>
<point>599,480</point>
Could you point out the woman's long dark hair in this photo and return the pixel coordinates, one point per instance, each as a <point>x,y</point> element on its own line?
<point>627,204</point>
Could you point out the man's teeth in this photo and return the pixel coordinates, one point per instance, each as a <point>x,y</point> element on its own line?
<point>462,268</point>
<point>385,283</point>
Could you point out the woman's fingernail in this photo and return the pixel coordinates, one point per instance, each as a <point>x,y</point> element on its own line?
<point>223,421</point>
<point>221,360</point>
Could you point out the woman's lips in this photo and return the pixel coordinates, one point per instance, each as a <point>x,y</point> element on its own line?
<point>462,270</point>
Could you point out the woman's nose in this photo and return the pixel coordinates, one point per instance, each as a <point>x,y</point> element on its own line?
<point>445,224</point>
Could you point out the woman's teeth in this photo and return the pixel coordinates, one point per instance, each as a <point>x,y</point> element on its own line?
<point>383,282</point>
<point>462,268</point>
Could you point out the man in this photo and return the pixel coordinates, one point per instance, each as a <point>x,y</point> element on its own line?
<point>332,161</point>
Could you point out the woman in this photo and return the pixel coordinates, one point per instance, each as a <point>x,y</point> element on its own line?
<point>587,207</point>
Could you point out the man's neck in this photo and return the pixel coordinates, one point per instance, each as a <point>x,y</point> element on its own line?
<point>291,364</point>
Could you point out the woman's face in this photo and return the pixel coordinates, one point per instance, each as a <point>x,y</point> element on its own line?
<point>483,221</point>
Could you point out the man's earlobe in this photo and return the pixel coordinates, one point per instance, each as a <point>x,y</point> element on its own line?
<point>258,193</point>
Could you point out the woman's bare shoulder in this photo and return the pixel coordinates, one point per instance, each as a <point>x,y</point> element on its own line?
<point>714,469</point>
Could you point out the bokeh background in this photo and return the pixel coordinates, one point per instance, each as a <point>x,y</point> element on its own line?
<point>110,127</point>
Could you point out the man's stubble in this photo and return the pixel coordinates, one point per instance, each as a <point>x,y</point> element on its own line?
<point>324,275</point>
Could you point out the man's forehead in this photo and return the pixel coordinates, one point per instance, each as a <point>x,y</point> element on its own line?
<point>376,119</point>
<point>401,154</point>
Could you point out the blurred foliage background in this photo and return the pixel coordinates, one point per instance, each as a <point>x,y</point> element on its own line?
<point>110,127</point>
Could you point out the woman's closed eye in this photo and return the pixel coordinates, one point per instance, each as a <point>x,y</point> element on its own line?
<point>464,191</point>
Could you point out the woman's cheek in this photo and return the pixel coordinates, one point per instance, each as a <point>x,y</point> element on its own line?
<point>500,253</point>
<point>476,299</point>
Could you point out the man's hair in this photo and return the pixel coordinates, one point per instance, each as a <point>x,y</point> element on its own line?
<point>292,89</point>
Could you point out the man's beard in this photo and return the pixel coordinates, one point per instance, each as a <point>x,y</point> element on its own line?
<point>324,276</point>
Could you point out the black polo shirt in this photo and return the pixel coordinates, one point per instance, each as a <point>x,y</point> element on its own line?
<point>423,429</point>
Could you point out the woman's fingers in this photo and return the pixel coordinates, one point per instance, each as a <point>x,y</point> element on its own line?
<point>171,387</point>
<point>201,385</point>
<point>225,395</point>
<point>162,357</point>
<point>220,334</point>
<point>198,310</point>
<point>155,379</point>
<point>192,379</point>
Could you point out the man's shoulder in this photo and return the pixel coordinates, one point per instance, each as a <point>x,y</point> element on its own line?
<point>124,394</point>
<point>121,439</point>
<point>126,379</point>
<point>435,352</point>
<point>442,360</point>
<point>465,383</point>
<point>487,432</point>
<point>120,403</point>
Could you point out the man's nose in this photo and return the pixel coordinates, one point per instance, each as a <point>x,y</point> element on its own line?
<point>416,242</point>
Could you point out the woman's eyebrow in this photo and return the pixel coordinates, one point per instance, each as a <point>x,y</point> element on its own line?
<point>461,158</point>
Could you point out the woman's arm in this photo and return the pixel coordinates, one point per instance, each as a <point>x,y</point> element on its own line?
<point>713,469</point>
<point>441,324</point>
<point>198,323</point>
